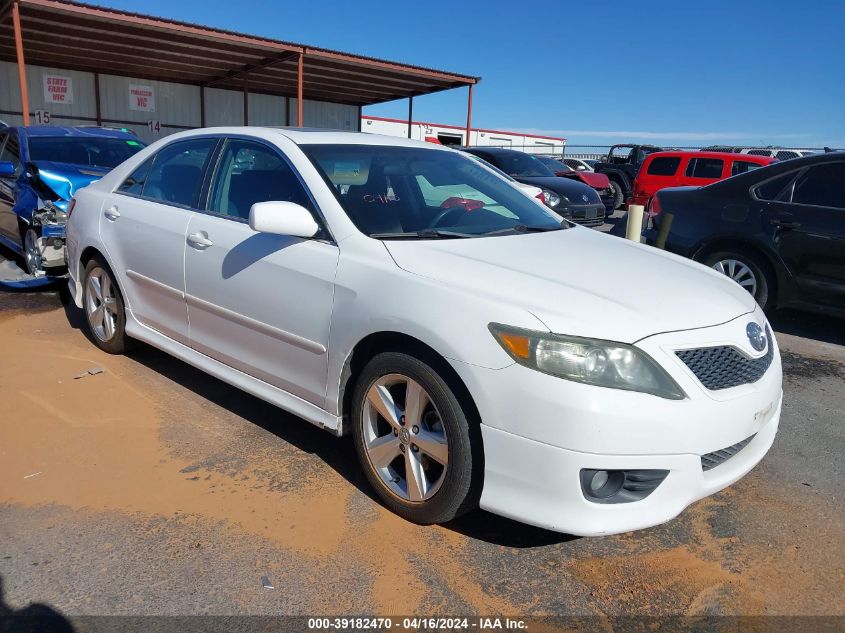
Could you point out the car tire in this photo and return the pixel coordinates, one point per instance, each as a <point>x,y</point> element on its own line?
<point>104,308</point>
<point>748,270</point>
<point>438,447</point>
<point>618,195</point>
<point>31,254</point>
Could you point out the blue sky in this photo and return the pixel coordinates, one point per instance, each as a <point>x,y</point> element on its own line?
<point>765,72</point>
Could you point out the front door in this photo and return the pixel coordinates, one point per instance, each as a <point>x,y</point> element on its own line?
<point>9,227</point>
<point>258,302</point>
<point>143,225</point>
<point>809,233</point>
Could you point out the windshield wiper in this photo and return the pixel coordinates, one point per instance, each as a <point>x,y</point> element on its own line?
<point>524,228</point>
<point>424,234</point>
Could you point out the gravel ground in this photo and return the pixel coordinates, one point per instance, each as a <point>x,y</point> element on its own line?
<point>151,488</point>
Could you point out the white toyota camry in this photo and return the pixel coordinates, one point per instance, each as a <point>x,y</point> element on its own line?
<point>479,351</point>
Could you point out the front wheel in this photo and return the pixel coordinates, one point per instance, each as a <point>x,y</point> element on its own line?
<point>104,309</point>
<point>32,254</point>
<point>414,439</point>
<point>746,270</point>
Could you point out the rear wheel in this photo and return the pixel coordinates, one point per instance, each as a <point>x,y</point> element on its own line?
<point>104,309</point>
<point>748,271</point>
<point>617,194</point>
<point>413,439</point>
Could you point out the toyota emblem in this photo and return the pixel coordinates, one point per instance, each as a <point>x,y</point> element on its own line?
<point>756,336</point>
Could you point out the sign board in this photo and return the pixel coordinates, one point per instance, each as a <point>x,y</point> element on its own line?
<point>42,117</point>
<point>154,126</point>
<point>142,98</point>
<point>58,89</point>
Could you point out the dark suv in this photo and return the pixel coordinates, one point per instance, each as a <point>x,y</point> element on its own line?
<point>621,166</point>
<point>778,231</point>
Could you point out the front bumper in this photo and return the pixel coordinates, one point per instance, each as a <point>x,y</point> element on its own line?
<point>540,431</point>
<point>585,215</point>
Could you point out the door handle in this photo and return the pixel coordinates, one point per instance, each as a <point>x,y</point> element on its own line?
<point>785,224</point>
<point>112,213</point>
<point>200,240</point>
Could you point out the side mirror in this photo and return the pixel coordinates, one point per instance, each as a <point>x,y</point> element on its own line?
<point>7,169</point>
<point>282,218</point>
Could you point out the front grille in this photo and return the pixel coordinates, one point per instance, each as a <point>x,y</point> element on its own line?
<point>583,222</point>
<point>711,460</point>
<point>725,366</point>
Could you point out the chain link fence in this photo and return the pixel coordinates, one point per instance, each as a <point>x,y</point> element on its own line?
<point>598,152</point>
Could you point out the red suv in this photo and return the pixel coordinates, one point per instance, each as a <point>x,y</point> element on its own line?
<point>674,169</point>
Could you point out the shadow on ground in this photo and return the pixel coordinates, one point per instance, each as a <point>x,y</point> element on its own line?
<point>36,617</point>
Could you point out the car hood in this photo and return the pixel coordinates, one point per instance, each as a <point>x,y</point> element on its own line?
<point>572,189</point>
<point>65,179</point>
<point>580,282</point>
<point>596,181</point>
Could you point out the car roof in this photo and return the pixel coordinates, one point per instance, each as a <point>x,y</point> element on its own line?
<point>84,131</point>
<point>763,160</point>
<point>493,150</point>
<point>775,169</point>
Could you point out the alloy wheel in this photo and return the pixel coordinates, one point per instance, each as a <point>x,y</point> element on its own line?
<point>101,305</point>
<point>32,255</point>
<point>404,438</point>
<point>740,272</point>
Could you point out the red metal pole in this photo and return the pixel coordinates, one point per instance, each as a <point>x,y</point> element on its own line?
<point>469,113</point>
<point>16,21</point>
<point>299,91</point>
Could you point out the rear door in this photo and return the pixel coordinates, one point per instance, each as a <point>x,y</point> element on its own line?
<point>704,171</point>
<point>808,222</point>
<point>258,302</point>
<point>143,226</point>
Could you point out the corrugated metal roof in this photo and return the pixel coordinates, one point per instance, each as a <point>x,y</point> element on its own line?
<point>80,36</point>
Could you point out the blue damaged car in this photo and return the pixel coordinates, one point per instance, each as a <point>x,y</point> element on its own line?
<point>41,167</point>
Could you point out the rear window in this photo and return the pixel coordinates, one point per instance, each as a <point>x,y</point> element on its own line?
<point>742,166</point>
<point>705,168</point>
<point>664,166</point>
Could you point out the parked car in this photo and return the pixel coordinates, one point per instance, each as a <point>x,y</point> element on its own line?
<point>580,164</point>
<point>529,190</point>
<point>780,153</point>
<point>621,166</point>
<point>573,200</point>
<point>41,168</point>
<point>462,348</point>
<point>777,231</point>
<point>599,182</point>
<point>674,169</point>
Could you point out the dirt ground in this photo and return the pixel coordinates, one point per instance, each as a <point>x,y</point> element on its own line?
<point>151,488</point>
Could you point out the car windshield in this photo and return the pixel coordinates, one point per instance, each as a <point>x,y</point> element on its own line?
<point>554,164</point>
<point>396,192</point>
<point>521,165</point>
<point>94,152</point>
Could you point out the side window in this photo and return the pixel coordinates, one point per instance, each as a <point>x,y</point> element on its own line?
<point>774,189</point>
<point>821,186</point>
<point>705,168</point>
<point>664,166</point>
<point>11,151</point>
<point>786,155</point>
<point>176,173</point>
<point>742,166</point>
<point>250,172</point>
<point>135,183</point>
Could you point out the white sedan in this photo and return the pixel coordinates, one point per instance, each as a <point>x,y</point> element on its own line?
<point>480,351</point>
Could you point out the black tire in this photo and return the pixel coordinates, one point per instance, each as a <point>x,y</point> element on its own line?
<point>618,195</point>
<point>32,262</point>
<point>764,293</point>
<point>118,342</point>
<point>457,492</point>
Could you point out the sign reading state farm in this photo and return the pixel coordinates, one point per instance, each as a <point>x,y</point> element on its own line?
<point>142,98</point>
<point>58,89</point>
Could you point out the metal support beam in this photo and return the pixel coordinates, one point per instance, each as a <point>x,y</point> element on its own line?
<point>299,90</point>
<point>16,23</point>
<point>469,114</point>
<point>97,110</point>
<point>202,106</point>
<point>287,111</point>
<point>246,101</point>
<point>245,70</point>
<point>410,114</point>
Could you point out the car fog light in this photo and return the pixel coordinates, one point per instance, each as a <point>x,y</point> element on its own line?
<point>598,480</point>
<point>619,486</point>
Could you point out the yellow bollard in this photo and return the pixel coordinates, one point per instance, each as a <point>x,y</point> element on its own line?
<point>663,233</point>
<point>635,222</point>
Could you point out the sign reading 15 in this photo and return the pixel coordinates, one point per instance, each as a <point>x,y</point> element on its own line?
<point>42,117</point>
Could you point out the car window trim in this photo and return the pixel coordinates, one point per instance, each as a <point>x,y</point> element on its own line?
<point>752,191</point>
<point>167,203</point>
<point>325,232</point>
<point>805,204</point>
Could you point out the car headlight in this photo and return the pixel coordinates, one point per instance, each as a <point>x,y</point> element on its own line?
<point>551,198</point>
<point>590,361</point>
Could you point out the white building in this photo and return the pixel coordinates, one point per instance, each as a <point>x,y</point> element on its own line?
<point>456,135</point>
